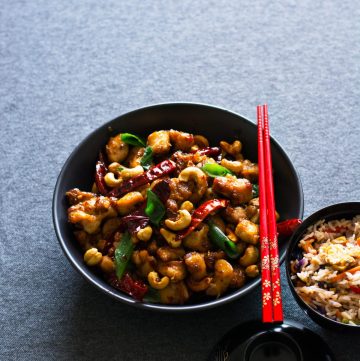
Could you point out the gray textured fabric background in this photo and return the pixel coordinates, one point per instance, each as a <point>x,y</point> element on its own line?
<point>67,67</point>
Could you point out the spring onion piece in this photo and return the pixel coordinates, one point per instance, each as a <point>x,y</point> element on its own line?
<point>255,190</point>
<point>155,209</point>
<point>216,170</point>
<point>147,158</point>
<point>132,139</point>
<point>219,239</point>
<point>123,254</point>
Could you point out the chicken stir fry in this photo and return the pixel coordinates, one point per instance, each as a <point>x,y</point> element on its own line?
<point>170,219</point>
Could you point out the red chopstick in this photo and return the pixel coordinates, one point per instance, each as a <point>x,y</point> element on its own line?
<point>267,309</point>
<point>266,192</point>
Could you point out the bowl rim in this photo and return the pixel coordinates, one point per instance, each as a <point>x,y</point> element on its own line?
<point>159,307</point>
<point>294,239</point>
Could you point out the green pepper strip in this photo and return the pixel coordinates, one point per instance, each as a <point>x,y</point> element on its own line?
<point>147,158</point>
<point>216,170</point>
<point>155,209</point>
<point>123,254</point>
<point>132,139</point>
<point>220,240</point>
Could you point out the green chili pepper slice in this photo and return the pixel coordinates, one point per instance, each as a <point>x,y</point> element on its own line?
<point>133,139</point>
<point>155,209</point>
<point>123,254</point>
<point>255,190</point>
<point>216,170</point>
<point>219,239</point>
<point>147,158</point>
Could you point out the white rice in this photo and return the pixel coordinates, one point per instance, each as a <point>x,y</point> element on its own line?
<point>325,256</point>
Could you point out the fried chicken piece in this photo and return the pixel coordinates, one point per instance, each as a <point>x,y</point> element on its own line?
<point>181,140</point>
<point>234,214</point>
<point>76,196</point>
<point>159,142</point>
<point>90,213</point>
<point>237,190</point>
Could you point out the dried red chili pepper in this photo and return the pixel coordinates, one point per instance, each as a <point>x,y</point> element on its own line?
<point>135,220</point>
<point>286,228</point>
<point>127,284</point>
<point>211,151</point>
<point>157,171</point>
<point>162,190</point>
<point>100,172</point>
<point>201,213</point>
<point>355,289</point>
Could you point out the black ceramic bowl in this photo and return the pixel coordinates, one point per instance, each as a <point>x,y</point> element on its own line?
<point>336,211</point>
<point>216,124</point>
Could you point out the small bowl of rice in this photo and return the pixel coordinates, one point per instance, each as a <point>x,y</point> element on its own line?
<point>323,266</point>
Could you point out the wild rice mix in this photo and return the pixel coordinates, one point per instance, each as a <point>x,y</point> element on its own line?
<point>327,275</point>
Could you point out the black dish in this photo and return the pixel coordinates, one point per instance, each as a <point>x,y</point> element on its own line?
<point>336,211</point>
<point>216,124</point>
<point>257,341</point>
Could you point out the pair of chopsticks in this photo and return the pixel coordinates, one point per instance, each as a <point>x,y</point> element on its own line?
<point>270,271</point>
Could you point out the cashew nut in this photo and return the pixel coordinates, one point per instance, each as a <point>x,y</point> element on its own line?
<point>198,177</point>
<point>222,278</point>
<point>127,173</point>
<point>233,149</point>
<point>156,282</point>
<point>122,172</point>
<point>231,235</point>
<point>252,271</point>
<point>250,256</point>
<point>182,221</point>
<point>92,257</point>
<point>126,203</point>
<point>111,181</point>
<point>247,231</point>
<point>175,270</point>
<point>115,167</point>
<point>196,265</point>
<point>107,264</point>
<point>234,165</point>
<point>187,205</point>
<point>116,149</point>
<point>201,141</point>
<point>198,286</point>
<point>143,261</point>
<point>144,234</point>
<point>170,238</point>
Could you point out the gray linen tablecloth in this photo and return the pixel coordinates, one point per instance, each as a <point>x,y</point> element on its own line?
<point>67,67</point>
